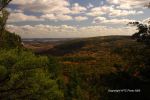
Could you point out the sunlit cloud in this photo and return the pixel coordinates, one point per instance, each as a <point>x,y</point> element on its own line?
<point>61,17</point>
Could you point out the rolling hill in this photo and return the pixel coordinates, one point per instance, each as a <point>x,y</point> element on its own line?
<point>89,67</point>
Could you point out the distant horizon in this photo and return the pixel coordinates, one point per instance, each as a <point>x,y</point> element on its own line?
<point>75,37</point>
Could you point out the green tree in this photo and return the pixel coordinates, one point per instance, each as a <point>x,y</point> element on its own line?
<point>7,39</point>
<point>11,40</point>
<point>3,15</point>
<point>143,33</point>
<point>25,76</point>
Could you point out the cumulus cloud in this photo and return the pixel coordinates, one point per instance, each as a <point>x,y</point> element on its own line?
<point>129,4</point>
<point>43,6</point>
<point>112,11</point>
<point>62,10</point>
<point>50,10</point>
<point>50,6</point>
<point>103,20</point>
<point>22,2</point>
<point>97,11</point>
<point>90,5</point>
<point>81,18</point>
<point>118,21</point>
<point>49,16</point>
<point>63,17</point>
<point>98,20</point>
<point>67,31</point>
<point>19,17</point>
<point>117,12</point>
<point>76,9</point>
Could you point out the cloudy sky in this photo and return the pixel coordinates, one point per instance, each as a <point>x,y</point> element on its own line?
<point>75,18</point>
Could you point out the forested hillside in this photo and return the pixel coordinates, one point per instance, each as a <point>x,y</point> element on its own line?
<point>92,66</point>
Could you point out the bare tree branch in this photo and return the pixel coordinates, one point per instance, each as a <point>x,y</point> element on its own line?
<point>4,3</point>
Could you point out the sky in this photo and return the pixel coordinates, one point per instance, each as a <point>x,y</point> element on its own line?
<point>75,18</point>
